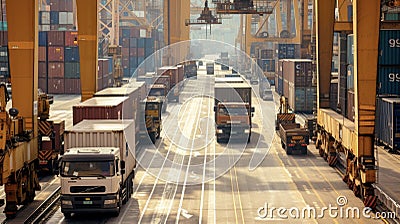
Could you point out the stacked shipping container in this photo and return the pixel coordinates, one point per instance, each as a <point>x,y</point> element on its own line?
<point>58,15</point>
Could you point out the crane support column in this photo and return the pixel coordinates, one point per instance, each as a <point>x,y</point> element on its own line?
<point>366,18</point>
<point>324,27</point>
<point>87,14</point>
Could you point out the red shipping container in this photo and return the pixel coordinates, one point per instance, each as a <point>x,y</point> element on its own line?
<point>98,108</point>
<point>125,52</point>
<point>3,38</point>
<point>350,105</point>
<point>56,70</point>
<point>72,86</point>
<point>65,5</point>
<point>42,70</point>
<point>55,38</point>
<point>42,84</point>
<point>133,52</point>
<point>140,52</point>
<point>181,73</point>
<point>286,88</point>
<point>42,54</point>
<point>103,67</point>
<point>55,54</point>
<point>56,86</point>
<point>125,43</point>
<point>106,67</point>
<point>106,82</point>
<point>135,32</point>
<point>70,37</point>
<point>54,5</point>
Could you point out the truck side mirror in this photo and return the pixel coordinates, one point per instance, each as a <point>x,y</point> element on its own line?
<point>252,109</point>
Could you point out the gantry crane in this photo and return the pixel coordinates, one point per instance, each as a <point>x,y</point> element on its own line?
<point>336,134</point>
<point>206,18</point>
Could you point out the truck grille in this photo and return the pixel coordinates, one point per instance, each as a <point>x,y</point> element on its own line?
<point>86,189</point>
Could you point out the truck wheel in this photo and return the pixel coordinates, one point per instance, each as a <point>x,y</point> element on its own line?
<point>288,151</point>
<point>158,132</point>
<point>304,151</point>
<point>67,215</point>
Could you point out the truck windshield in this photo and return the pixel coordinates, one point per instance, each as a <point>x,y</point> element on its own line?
<point>232,111</point>
<point>86,168</point>
<point>156,92</point>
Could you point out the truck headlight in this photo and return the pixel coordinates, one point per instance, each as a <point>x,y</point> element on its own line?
<point>110,201</point>
<point>246,131</point>
<point>219,131</point>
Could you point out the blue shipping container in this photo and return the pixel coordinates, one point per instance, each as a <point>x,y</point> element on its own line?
<point>54,18</point>
<point>141,42</point>
<point>42,38</point>
<point>389,47</point>
<point>387,123</point>
<point>133,42</point>
<point>133,62</point>
<point>126,72</point>
<point>388,82</point>
<point>3,54</point>
<point>126,33</point>
<point>350,77</point>
<point>71,54</point>
<point>350,12</point>
<point>350,49</point>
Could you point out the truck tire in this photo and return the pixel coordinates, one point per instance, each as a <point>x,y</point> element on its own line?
<point>152,136</point>
<point>158,132</point>
<point>304,151</point>
<point>288,151</point>
<point>67,215</point>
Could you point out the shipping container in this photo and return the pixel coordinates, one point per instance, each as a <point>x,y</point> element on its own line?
<point>71,54</point>
<point>135,32</point>
<point>42,38</point>
<point>387,122</point>
<point>388,82</point>
<point>3,38</point>
<point>55,38</point>
<point>55,86</point>
<point>301,99</point>
<point>42,53</point>
<point>124,42</point>
<point>42,84</point>
<point>72,86</point>
<point>44,18</point>
<point>99,108</point>
<point>290,51</point>
<point>65,5</point>
<point>389,47</point>
<point>54,17</point>
<point>391,16</point>
<point>350,49</point>
<point>267,65</point>
<point>55,54</point>
<point>44,28</point>
<point>71,70</point>
<point>132,42</point>
<point>56,70</point>
<point>140,52</point>
<point>266,53</point>
<point>99,83</point>
<point>333,96</point>
<point>3,54</point>
<point>42,69</point>
<point>71,38</point>
<point>350,77</point>
<point>296,71</point>
<point>55,5</point>
<point>350,105</point>
<point>4,69</point>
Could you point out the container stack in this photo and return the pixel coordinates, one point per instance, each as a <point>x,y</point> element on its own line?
<point>294,81</point>
<point>58,15</point>
<point>136,46</point>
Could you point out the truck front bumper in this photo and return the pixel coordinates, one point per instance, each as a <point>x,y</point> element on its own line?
<point>233,132</point>
<point>89,203</point>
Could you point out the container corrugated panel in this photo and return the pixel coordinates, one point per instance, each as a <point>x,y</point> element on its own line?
<point>133,52</point>
<point>350,106</point>
<point>71,70</point>
<point>388,81</point>
<point>56,70</point>
<point>44,28</point>
<point>3,54</point>
<point>54,5</point>
<point>388,122</point>
<point>389,47</point>
<point>333,96</point>
<point>3,38</point>
<point>71,54</point>
<point>141,42</point>
<point>350,49</point>
<point>311,99</point>
<point>65,5</point>
<point>55,54</point>
<point>126,33</point>
<point>56,86</point>
<point>72,86</point>
<point>42,54</point>
<point>391,16</point>
<point>55,38</point>
<point>42,84</point>
<point>350,12</point>
<point>140,52</point>
<point>99,108</point>
<point>99,85</point>
<point>350,77</point>
<point>132,42</point>
<point>42,69</point>
<point>280,86</point>
<point>106,70</point>
<point>71,38</point>
<point>44,18</point>
<point>54,18</point>
<point>149,43</point>
<point>133,62</point>
<point>105,133</point>
<point>4,69</point>
<point>42,38</point>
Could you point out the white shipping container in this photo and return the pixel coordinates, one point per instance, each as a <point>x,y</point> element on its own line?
<point>142,33</point>
<point>45,18</point>
<point>70,18</point>
<point>44,27</point>
<point>104,133</point>
<point>63,18</point>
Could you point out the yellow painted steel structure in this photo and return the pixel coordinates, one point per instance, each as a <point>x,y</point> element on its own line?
<point>336,134</point>
<point>18,160</point>
<point>87,15</point>
<point>175,30</point>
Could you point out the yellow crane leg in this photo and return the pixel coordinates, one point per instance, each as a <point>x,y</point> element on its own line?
<point>87,14</point>
<point>18,162</point>
<point>366,17</point>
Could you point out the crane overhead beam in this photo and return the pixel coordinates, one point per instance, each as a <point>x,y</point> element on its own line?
<point>244,7</point>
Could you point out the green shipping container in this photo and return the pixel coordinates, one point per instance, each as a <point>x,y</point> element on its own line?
<point>71,70</point>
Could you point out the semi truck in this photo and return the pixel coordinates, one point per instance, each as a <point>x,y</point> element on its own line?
<point>97,168</point>
<point>293,138</point>
<point>210,68</point>
<point>233,111</point>
<point>150,119</point>
<point>190,68</point>
<point>159,91</point>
